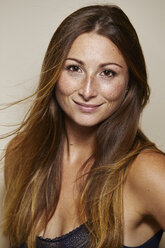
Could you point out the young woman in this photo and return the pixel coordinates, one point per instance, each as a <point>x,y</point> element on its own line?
<point>80,172</point>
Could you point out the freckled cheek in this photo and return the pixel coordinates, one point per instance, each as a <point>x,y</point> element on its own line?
<point>113,92</point>
<point>66,85</point>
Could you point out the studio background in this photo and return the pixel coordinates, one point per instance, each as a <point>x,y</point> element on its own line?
<point>26,27</point>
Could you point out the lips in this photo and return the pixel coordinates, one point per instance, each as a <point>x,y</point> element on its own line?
<point>87,107</point>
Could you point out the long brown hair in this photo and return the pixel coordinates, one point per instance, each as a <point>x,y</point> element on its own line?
<point>33,158</point>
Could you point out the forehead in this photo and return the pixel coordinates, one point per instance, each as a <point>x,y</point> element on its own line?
<point>92,46</point>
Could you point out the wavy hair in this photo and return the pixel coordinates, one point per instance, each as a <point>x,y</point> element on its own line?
<point>33,157</point>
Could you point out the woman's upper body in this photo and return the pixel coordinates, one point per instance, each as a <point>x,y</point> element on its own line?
<point>143,207</point>
<point>144,204</point>
<point>81,156</point>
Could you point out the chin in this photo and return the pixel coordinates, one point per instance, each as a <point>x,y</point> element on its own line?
<point>87,122</point>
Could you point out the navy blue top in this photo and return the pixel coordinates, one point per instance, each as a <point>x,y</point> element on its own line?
<point>79,238</point>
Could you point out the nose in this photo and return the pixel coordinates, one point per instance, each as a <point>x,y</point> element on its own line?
<point>88,89</point>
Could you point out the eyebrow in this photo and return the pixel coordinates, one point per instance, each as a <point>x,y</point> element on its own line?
<point>101,65</point>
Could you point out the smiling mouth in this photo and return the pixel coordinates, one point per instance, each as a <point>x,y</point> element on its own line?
<point>87,107</point>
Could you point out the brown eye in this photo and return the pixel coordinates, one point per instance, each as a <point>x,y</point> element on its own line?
<point>73,68</point>
<point>108,73</point>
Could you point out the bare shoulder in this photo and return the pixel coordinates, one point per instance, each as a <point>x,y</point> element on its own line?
<point>146,177</point>
<point>148,164</point>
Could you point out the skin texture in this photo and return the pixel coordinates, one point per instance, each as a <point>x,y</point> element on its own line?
<point>144,202</point>
<point>87,91</point>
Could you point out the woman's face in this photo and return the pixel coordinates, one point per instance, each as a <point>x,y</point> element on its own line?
<point>93,80</point>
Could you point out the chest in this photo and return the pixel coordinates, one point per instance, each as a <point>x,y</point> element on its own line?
<point>65,217</point>
<point>67,204</point>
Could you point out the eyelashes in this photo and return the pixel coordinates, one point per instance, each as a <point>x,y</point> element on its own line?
<point>107,73</point>
<point>73,68</point>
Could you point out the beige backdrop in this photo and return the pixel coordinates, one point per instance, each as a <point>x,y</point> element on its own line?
<point>26,27</point>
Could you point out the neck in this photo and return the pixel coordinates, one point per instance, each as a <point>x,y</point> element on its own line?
<point>79,140</point>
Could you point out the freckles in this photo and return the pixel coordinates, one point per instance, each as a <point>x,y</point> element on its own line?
<point>113,92</point>
<point>65,85</point>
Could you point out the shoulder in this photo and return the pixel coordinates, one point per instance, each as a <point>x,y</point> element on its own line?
<point>146,177</point>
<point>147,165</point>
